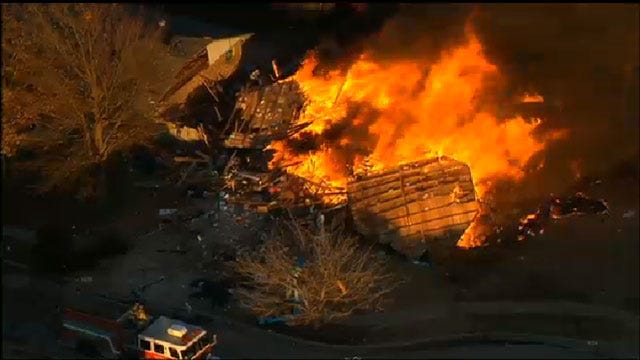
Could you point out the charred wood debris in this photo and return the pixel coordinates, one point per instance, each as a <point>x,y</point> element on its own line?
<point>230,165</point>
<point>263,114</point>
<point>559,207</point>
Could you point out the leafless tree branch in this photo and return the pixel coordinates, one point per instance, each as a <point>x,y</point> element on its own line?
<point>338,276</point>
<point>89,68</point>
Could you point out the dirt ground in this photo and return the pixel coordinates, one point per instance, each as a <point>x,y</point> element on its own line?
<point>586,259</point>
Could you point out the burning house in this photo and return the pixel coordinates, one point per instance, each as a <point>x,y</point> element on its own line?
<point>309,133</point>
<point>414,205</point>
<point>413,110</point>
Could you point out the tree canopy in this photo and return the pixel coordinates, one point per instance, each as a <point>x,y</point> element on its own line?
<point>79,83</point>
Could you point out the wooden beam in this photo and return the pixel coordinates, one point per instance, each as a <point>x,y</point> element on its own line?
<point>189,159</point>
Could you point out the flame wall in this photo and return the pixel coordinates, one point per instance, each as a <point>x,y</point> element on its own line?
<point>440,79</point>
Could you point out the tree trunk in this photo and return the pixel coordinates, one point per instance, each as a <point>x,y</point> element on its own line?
<point>95,184</point>
<point>98,138</point>
<point>4,167</point>
<point>101,183</point>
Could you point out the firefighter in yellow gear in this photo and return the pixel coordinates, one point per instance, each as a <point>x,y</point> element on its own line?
<point>139,313</point>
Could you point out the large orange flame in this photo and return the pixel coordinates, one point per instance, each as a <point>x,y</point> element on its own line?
<point>415,110</point>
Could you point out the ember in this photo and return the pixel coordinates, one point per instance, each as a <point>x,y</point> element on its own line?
<point>558,208</point>
<point>532,98</point>
<point>531,225</point>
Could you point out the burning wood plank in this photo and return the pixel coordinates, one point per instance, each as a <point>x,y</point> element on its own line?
<point>238,140</point>
<point>202,158</point>
<point>414,204</point>
<point>189,159</point>
<point>276,72</point>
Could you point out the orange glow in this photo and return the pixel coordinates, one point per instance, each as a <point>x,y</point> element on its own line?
<point>532,98</point>
<point>359,7</point>
<point>276,72</point>
<point>576,168</point>
<point>409,110</point>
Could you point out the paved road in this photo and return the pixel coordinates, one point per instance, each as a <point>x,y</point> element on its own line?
<point>29,308</point>
<point>488,351</point>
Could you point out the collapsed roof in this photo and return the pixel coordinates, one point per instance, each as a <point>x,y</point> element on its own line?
<point>412,205</point>
<point>265,114</point>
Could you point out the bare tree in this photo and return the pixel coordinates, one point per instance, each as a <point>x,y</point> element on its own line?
<point>324,276</point>
<point>16,117</point>
<point>77,84</point>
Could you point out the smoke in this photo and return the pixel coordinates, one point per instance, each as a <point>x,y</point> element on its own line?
<point>391,32</point>
<point>346,138</point>
<point>420,31</point>
<point>583,58</point>
<point>347,32</point>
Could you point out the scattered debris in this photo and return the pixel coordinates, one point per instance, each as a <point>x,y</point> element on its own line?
<point>264,114</point>
<point>628,214</point>
<point>152,184</point>
<point>217,291</point>
<point>167,212</point>
<point>421,263</point>
<point>273,320</point>
<point>174,251</point>
<point>424,260</point>
<point>579,204</point>
<point>531,225</point>
<point>559,208</point>
<point>138,292</point>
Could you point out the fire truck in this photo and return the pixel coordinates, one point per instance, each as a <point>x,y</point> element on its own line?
<point>135,335</point>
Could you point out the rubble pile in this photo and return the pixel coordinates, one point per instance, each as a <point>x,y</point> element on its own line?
<point>275,191</point>
<point>263,115</point>
<point>238,184</point>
